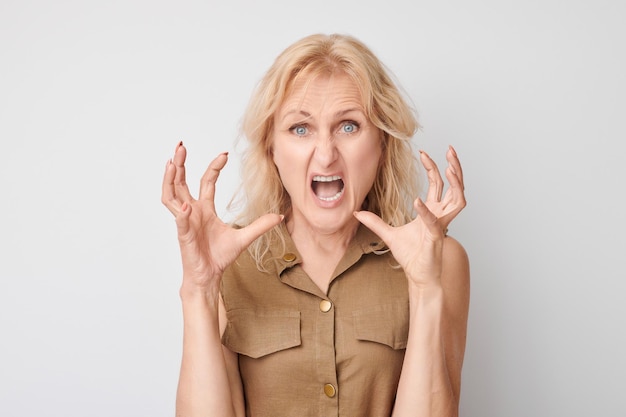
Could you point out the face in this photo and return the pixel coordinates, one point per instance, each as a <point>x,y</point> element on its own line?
<point>326,151</point>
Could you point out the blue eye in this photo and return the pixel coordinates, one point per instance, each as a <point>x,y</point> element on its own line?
<point>299,130</point>
<point>349,127</point>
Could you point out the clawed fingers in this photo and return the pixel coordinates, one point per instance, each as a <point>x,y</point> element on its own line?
<point>174,189</point>
<point>455,166</point>
<point>453,201</point>
<point>180,181</point>
<point>207,183</point>
<point>168,193</point>
<point>429,218</point>
<point>375,224</point>
<point>182,223</point>
<point>435,183</point>
<point>250,233</point>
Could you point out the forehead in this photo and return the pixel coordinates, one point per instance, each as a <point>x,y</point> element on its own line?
<point>322,91</point>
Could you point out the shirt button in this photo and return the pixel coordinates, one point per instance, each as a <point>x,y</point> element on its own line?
<point>329,390</point>
<point>325,306</point>
<point>289,257</point>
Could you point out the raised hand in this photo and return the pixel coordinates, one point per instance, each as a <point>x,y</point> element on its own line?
<point>417,245</point>
<point>207,244</point>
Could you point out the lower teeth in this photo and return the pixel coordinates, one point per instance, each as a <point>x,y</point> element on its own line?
<point>333,198</point>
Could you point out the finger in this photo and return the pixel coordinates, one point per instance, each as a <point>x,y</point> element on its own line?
<point>180,181</point>
<point>435,183</point>
<point>454,200</point>
<point>454,174</point>
<point>455,194</point>
<point>428,218</point>
<point>168,193</point>
<point>375,224</point>
<point>182,224</point>
<point>207,183</point>
<point>455,164</point>
<point>250,233</point>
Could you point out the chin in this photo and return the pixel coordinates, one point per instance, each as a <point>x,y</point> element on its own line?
<point>332,222</point>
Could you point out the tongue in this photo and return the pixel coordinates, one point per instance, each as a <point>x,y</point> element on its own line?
<point>326,189</point>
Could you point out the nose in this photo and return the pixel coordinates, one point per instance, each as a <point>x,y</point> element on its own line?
<point>326,151</point>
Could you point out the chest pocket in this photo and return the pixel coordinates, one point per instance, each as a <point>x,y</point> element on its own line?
<point>259,333</point>
<point>387,324</point>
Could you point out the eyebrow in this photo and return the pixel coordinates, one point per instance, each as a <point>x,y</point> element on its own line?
<point>301,112</point>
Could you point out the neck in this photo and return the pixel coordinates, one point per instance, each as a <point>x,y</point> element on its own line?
<point>308,238</point>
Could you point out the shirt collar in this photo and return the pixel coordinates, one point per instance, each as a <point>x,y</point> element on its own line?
<point>364,242</point>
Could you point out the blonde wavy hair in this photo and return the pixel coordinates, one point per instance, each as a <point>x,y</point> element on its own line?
<point>396,185</point>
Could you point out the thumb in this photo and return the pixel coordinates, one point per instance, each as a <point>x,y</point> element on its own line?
<point>251,232</point>
<point>375,224</point>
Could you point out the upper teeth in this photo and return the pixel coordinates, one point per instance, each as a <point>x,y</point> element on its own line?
<point>330,178</point>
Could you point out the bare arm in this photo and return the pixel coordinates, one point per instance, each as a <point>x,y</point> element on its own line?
<point>430,382</point>
<point>208,380</point>
<point>203,387</point>
<point>438,279</point>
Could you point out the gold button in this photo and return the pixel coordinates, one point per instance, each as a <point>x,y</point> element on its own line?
<point>289,257</point>
<point>325,306</point>
<point>329,390</point>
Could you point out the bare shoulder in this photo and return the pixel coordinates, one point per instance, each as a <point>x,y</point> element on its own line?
<point>455,259</point>
<point>453,249</point>
<point>455,277</point>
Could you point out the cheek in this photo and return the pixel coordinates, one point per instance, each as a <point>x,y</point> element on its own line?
<point>278,157</point>
<point>289,165</point>
<point>372,157</point>
<point>290,156</point>
<point>374,164</point>
<point>366,166</point>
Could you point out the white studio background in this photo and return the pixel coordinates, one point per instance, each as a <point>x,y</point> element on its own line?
<point>94,96</point>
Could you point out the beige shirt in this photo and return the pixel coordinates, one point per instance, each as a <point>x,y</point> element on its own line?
<point>304,353</point>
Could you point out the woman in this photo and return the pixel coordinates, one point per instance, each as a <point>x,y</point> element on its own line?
<point>339,293</point>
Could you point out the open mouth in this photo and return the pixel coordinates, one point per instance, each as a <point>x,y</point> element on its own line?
<point>327,188</point>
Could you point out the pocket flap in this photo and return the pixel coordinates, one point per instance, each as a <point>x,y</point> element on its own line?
<point>387,324</point>
<point>256,334</point>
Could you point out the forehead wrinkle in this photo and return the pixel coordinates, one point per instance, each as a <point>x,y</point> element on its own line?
<point>302,91</point>
<point>301,94</point>
<point>346,111</point>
